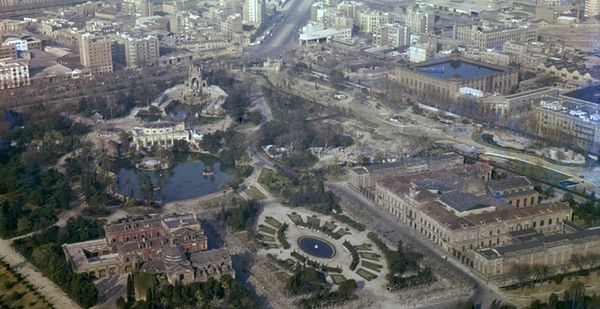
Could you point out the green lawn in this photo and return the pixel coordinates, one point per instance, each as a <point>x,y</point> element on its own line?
<point>337,279</point>
<point>372,266</point>
<point>314,221</point>
<point>365,274</point>
<point>254,193</point>
<point>296,218</point>
<point>17,293</point>
<point>273,222</point>
<point>369,256</point>
<point>267,230</point>
<point>363,247</point>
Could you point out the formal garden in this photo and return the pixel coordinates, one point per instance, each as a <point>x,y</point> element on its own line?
<point>338,252</point>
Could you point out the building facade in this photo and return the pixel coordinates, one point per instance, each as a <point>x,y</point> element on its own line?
<point>160,133</point>
<point>483,36</point>
<point>128,245</point>
<point>592,8</point>
<point>456,210</point>
<point>13,74</point>
<point>95,53</point>
<point>253,12</point>
<point>444,77</point>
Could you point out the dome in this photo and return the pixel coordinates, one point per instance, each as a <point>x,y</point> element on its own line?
<point>172,253</point>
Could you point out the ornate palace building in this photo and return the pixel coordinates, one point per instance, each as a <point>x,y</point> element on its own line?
<point>174,247</point>
<point>488,224</point>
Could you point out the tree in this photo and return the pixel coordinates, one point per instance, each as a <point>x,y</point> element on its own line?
<point>521,273</point>
<point>575,295</point>
<point>130,289</point>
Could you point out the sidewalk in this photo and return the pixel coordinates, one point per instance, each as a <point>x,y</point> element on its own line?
<point>45,286</point>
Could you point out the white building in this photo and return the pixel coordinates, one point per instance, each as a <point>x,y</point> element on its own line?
<point>420,21</point>
<point>13,74</point>
<point>253,11</point>
<point>421,52</point>
<point>317,32</point>
<point>592,8</point>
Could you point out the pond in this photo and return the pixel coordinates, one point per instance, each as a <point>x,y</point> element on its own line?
<point>316,247</point>
<point>184,180</point>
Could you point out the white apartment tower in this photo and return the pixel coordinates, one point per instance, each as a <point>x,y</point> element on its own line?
<point>253,11</point>
<point>592,8</point>
<point>420,21</point>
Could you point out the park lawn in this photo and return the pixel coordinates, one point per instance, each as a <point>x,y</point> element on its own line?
<point>534,171</point>
<point>337,279</point>
<point>296,218</point>
<point>365,274</point>
<point>267,238</point>
<point>363,247</point>
<point>274,182</point>
<point>273,222</point>
<point>369,256</point>
<point>314,221</point>
<point>26,297</point>
<point>372,266</point>
<point>266,229</point>
<point>254,193</point>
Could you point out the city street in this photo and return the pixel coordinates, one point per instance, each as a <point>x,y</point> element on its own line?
<point>283,34</point>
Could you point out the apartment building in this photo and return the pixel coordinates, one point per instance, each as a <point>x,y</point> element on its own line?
<point>95,53</point>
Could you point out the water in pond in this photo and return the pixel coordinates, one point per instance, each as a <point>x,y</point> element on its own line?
<point>182,181</point>
<point>316,247</point>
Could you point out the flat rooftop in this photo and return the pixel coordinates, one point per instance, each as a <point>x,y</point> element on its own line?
<point>590,94</point>
<point>456,69</point>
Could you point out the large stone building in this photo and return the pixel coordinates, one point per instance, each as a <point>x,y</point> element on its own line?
<point>444,77</point>
<point>95,53</point>
<point>484,36</point>
<point>128,244</point>
<point>572,119</point>
<point>462,210</point>
<point>530,247</point>
<point>364,178</point>
<point>160,133</point>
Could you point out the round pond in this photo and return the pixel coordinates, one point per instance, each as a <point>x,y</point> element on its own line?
<point>316,247</point>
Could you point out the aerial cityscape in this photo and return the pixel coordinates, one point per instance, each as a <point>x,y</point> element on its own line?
<point>300,154</point>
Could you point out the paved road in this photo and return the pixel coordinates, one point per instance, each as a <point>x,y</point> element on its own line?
<point>284,34</point>
<point>385,224</point>
<point>45,286</point>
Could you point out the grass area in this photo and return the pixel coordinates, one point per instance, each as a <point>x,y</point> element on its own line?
<point>254,193</point>
<point>363,247</point>
<point>372,266</point>
<point>17,293</point>
<point>314,221</point>
<point>275,182</point>
<point>267,238</point>
<point>534,171</point>
<point>273,222</point>
<point>267,230</point>
<point>365,274</point>
<point>296,218</point>
<point>337,279</point>
<point>369,256</point>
